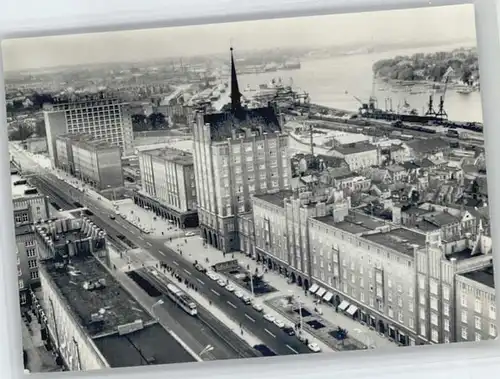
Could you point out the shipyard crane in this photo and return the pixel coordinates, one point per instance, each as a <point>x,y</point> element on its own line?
<point>441,113</point>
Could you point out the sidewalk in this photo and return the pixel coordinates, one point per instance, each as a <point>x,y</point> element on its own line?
<point>194,250</point>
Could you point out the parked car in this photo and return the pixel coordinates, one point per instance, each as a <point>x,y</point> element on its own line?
<point>257,307</point>
<point>269,317</point>
<point>314,347</point>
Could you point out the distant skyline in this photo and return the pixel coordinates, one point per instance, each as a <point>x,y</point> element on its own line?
<point>453,23</point>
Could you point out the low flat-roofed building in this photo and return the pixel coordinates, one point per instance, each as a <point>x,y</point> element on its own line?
<point>168,185</point>
<point>475,305</point>
<point>92,320</point>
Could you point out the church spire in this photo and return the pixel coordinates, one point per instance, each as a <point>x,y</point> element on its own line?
<point>235,89</point>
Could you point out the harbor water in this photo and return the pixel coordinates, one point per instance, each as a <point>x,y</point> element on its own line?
<point>335,82</point>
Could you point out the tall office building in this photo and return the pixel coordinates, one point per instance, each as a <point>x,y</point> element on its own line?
<point>237,153</point>
<point>107,120</point>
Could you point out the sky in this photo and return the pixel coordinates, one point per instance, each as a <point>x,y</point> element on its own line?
<point>413,26</point>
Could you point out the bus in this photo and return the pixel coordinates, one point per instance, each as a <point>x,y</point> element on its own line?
<point>181,299</point>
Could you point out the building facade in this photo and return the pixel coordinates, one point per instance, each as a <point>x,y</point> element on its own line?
<point>93,161</point>
<point>237,153</point>
<point>104,119</point>
<point>29,207</point>
<point>168,185</point>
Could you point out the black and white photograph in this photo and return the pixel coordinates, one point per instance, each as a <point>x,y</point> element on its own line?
<point>242,190</point>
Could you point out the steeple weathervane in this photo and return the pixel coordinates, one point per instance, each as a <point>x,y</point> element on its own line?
<point>235,89</point>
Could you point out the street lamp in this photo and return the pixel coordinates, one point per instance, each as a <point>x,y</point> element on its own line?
<point>206,349</point>
<point>157,304</point>
<point>300,309</point>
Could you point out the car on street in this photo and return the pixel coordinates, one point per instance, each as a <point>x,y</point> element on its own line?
<point>213,276</point>
<point>269,317</point>
<point>280,324</point>
<point>112,217</point>
<point>239,294</point>
<point>289,330</point>
<point>221,282</point>
<point>189,234</point>
<point>200,268</point>
<point>314,347</point>
<point>247,300</point>
<point>230,288</point>
<point>257,307</point>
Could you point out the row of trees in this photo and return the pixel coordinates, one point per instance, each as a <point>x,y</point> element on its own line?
<point>24,131</point>
<point>430,67</point>
<point>154,121</point>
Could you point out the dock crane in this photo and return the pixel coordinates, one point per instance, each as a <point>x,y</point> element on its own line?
<point>441,113</point>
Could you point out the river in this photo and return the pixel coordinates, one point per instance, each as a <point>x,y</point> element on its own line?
<point>334,82</point>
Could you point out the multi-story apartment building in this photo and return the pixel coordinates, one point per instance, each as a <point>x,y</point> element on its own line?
<point>168,185</point>
<point>29,207</point>
<point>281,221</point>
<point>104,119</point>
<point>93,161</point>
<point>237,153</point>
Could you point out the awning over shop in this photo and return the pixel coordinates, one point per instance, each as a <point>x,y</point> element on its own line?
<point>328,296</point>
<point>343,306</point>
<point>313,288</point>
<point>352,310</point>
<point>320,292</point>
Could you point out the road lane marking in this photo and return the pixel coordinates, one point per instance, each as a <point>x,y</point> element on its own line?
<point>215,292</point>
<point>248,317</point>
<point>232,305</point>
<point>142,239</point>
<point>149,244</point>
<point>175,263</point>
<point>187,272</point>
<point>292,349</point>
<point>201,281</point>
<point>268,332</point>
<point>162,253</point>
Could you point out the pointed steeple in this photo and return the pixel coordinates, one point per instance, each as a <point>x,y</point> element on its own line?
<point>235,89</point>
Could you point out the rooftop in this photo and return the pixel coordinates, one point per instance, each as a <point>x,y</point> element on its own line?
<point>402,240</point>
<point>460,255</point>
<point>277,198</point>
<point>111,301</point>
<point>21,188</point>
<point>354,223</point>
<point>256,120</point>
<point>151,345</point>
<point>171,155</point>
<point>355,148</point>
<point>430,145</point>
<point>483,276</point>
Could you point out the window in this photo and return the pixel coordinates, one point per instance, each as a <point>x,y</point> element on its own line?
<point>434,304</point>
<point>372,302</point>
<point>423,331</point>
<point>464,316</point>
<point>410,307</point>
<point>493,330</point>
<point>446,309</point>
<point>31,253</point>
<point>22,298</point>
<point>20,284</point>
<point>446,325</point>
<point>389,283</point>
<point>422,313</point>
<point>400,301</point>
<point>463,300</point>
<point>493,311</point>
<point>434,335</point>
<point>362,296</point>
<point>434,319</point>
<point>464,333</point>
<point>390,312</point>
<point>446,292</point>
<point>478,337</point>
<point>477,322</point>
<point>400,317</point>
<point>478,306</point>
<point>34,275</point>
<point>411,322</point>
<point>433,287</point>
<point>32,263</point>
<point>19,272</point>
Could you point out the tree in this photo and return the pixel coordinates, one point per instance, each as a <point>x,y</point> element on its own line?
<point>157,120</point>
